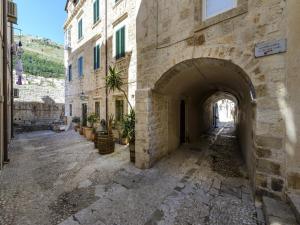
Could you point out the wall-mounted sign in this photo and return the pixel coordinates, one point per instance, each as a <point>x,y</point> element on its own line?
<point>270,48</point>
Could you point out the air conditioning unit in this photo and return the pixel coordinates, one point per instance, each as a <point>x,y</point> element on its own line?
<point>12,12</point>
<point>16,93</point>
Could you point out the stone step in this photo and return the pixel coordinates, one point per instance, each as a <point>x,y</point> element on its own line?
<point>278,213</point>
<point>294,201</point>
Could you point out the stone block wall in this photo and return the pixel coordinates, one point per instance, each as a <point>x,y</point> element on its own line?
<point>169,34</point>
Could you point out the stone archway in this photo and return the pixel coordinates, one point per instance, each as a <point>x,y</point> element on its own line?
<point>193,81</point>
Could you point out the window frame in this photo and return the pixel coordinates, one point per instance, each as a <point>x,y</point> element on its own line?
<point>98,109</point>
<point>120,44</point>
<point>204,10</point>
<point>70,72</point>
<point>96,11</point>
<point>70,109</point>
<point>121,113</point>
<point>80,29</point>
<point>80,66</point>
<point>97,57</point>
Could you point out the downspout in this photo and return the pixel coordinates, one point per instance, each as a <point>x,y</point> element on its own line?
<point>11,83</point>
<point>106,63</point>
<point>5,89</point>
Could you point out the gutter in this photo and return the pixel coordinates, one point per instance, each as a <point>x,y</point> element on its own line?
<point>5,88</point>
<point>11,83</point>
<point>106,63</point>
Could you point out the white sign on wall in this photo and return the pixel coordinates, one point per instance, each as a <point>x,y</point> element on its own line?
<point>270,48</point>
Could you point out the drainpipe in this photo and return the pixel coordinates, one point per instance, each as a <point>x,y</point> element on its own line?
<point>5,89</point>
<point>106,63</point>
<point>11,83</point>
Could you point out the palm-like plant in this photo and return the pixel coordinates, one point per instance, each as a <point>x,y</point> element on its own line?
<point>114,82</point>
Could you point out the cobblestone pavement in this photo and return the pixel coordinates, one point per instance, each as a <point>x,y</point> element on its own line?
<point>61,179</point>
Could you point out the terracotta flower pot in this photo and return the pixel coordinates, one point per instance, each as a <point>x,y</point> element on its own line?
<point>89,133</point>
<point>81,130</point>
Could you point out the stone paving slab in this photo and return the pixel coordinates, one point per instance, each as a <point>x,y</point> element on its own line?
<point>61,179</point>
<point>278,212</point>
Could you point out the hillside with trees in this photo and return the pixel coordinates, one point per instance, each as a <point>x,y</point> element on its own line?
<point>42,57</point>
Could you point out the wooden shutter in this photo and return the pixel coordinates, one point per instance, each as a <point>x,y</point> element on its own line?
<point>122,41</point>
<point>98,56</point>
<point>95,58</point>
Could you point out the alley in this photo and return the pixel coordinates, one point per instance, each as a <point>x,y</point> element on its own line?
<point>59,178</point>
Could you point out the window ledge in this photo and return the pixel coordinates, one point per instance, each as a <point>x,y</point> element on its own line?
<point>120,59</point>
<point>79,40</point>
<point>240,10</point>
<point>117,3</point>
<point>96,23</point>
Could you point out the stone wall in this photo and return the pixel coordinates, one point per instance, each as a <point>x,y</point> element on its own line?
<point>39,104</point>
<point>172,34</point>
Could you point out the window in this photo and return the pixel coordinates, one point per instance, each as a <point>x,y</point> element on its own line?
<point>119,110</point>
<point>80,66</point>
<point>97,56</point>
<point>214,7</point>
<point>70,73</point>
<point>16,93</point>
<point>97,109</point>
<point>70,110</point>
<point>120,43</point>
<point>80,29</point>
<point>96,11</point>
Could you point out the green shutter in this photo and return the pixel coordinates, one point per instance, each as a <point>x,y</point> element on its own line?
<point>117,44</point>
<point>95,58</point>
<point>98,10</point>
<point>123,41</point>
<point>98,56</point>
<point>94,11</point>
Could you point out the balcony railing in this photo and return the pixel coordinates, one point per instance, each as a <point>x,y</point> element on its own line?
<point>12,12</point>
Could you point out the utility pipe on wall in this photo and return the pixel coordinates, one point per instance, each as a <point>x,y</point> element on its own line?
<point>5,83</point>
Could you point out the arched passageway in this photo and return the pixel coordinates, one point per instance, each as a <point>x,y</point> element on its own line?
<point>190,100</point>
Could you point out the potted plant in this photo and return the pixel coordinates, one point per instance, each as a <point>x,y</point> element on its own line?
<point>83,126</point>
<point>92,119</point>
<point>104,140</point>
<point>128,131</point>
<point>114,82</point>
<point>76,122</point>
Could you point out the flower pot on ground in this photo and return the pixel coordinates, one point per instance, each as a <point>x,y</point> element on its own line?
<point>84,129</point>
<point>81,130</point>
<point>89,133</point>
<point>104,142</point>
<point>128,131</point>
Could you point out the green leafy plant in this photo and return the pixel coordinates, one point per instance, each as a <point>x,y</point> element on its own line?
<point>92,119</point>
<point>128,127</point>
<point>115,82</point>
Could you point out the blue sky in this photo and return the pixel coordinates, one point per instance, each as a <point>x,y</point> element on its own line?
<point>42,17</point>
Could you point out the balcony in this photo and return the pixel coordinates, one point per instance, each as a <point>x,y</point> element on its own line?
<point>12,12</point>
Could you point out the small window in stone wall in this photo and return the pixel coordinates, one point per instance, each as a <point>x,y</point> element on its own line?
<point>71,109</point>
<point>212,8</point>
<point>119,110</point>
<point>97,109</point>
<point>16,93</point>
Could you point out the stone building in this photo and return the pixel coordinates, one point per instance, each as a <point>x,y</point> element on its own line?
<point>8,17</point>
<point>184,57</point>
<point>188,51</point>
<point>95,38</point>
